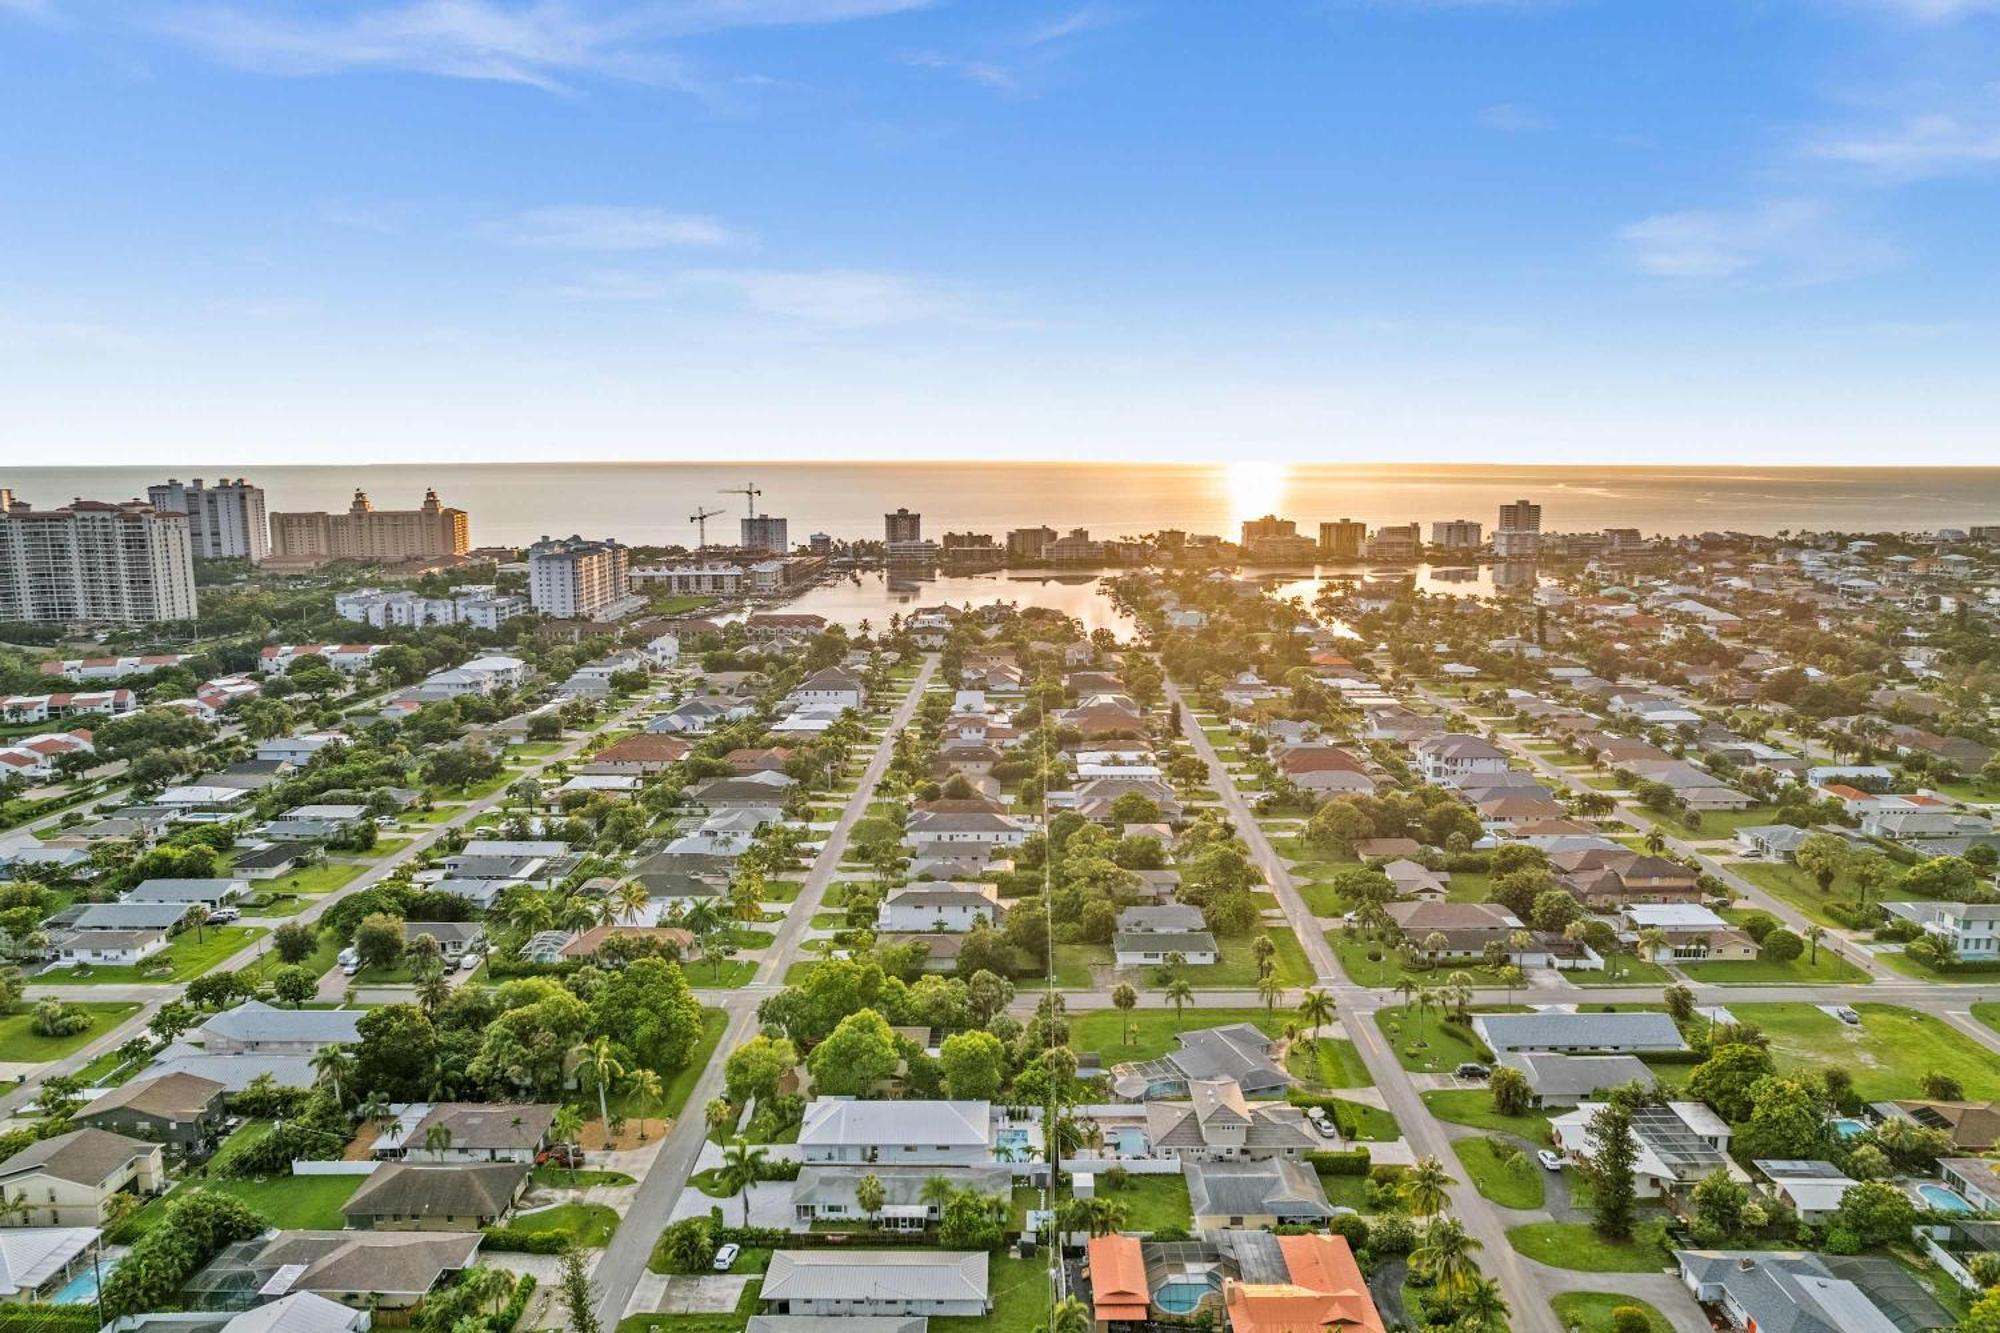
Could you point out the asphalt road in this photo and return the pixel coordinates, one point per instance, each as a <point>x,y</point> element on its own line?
<point>624,1260</point>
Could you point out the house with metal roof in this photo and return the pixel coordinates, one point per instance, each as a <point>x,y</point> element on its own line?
<point>877,1282</point>
<point>1679,1145</point>
<point>254,1027</point>
<point>1237,1051</point>
<point>1268,1193</point>
<point>1616,1033</point>
<point>206,892</point>
<point>37,1262</point>
<point>907,1133</point>
<point>1566,1080</point>
<point>1813,1189</point>
<point>812,1323</point>
<point>828,1193</point>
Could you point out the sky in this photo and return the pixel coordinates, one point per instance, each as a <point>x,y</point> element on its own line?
<point>1522,231</point>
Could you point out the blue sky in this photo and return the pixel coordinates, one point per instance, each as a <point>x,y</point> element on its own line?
<point>1756,231</point>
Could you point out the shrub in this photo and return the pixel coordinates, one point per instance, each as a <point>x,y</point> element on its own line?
<point>1630,1319</point>
<point>528,1242</point>
<point>53,1018</point>
<point>1353,1163</point>
<point>688,1246</point>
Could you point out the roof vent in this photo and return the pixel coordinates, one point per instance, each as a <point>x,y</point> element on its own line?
<point>1745,1264</point>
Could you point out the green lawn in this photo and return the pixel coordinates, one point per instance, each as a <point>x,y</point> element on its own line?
<point>1424,1043</point>
<point>1830,970</point>
<point>1509,1177</point>
<point>590,1223</point>
<point>1368,1124</point>
<point>312,879</point>
<point>1474,1107</point>
<point>1988,1012</point>
<point>725,976</point>
<point>1623,969</point>
<point>187,957</point>
<point>734,1322</point>
<point>1717,825</point>
<point>1332,1062</point>
<point>20,1043</point>
<point>1590,1311</point>
<point>556,1177</point>
<point>1577,1246</point>
<point>290,1203</point>
<point>1154,1030</point>
<point>681,1086</point>
<point>1152,1202</point>
<point>1789,884</point>
<point>1888,1055</point>
<point>1019,1289</point>
<point>321,961</point>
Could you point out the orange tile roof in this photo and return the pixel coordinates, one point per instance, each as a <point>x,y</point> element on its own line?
<point>1117,1278</point>
<point>1326,1290</point>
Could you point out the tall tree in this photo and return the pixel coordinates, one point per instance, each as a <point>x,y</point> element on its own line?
<point>1613,1152</point>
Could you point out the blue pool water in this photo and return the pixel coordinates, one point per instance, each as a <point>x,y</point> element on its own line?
<point>1013,1138</point>
<point>1941,1199</point>
<point>1848,1128</point>
<point>1131,1142</point>
<point>82,1289</point>
<point>1181,1297</point>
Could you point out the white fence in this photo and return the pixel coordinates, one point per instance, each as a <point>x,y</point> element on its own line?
<point>300,1168</point>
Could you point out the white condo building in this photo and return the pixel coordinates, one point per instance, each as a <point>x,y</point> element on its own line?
<point>225,521</point>
<point>574,579</point>
<point>1520,530</point>
<point>94,561</point>
<point>766,532</point>
<point>481,605</point>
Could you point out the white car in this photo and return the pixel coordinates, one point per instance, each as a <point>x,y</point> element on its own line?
<point>352,969</point>
<point>1549,1161</point>
<point>223,915</point>
<point>725,1258</point>
<point>469,962</point>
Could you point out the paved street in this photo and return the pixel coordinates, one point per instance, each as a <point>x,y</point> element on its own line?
<point>619,1272</point>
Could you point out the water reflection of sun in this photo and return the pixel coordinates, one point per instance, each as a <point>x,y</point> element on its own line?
<point>1255,489</point>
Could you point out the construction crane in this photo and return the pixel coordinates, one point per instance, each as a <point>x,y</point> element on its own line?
<point>700,519</point>
<point>749,493</point>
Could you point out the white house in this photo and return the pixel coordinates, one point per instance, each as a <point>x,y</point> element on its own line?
<point>1679,1145</point>
<point>830,688</point>
<point>1973,929</point>
<point>946,908</point>
<point>1454,757</point>
<point>906,1133</point>
<point>876,1283</point>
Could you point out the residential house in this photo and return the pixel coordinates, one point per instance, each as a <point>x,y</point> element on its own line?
<point>184,1110</point>
<point>1678,1145</point>
<point>1973,1127</point>
<point>401,1196</point>
<point>828,1193</point>
<point>1582,1033</point>
<point>877,1282</point>
<point>1692,932</point>
<point>1270,1192</point>
<point>908,1133</point>
<point>254,1027</point>
<point>369,1270</point>
<point>1972,929</point>
<point>1811,1189</point>
<point>1453,758</point>
<point>927,829</point>
<point>202,892</point>
<point>1466,929</point>
<point>454,939</point>
<point>830,688</point>
<point>938,908</point>
<point>69,1180</point>
<point>1780,1292</point>
<point>1568,1080</point>
<point>1218,1123</point>
<point>1237,1051</point>
<point>1321,1288</point>
<point>36,1263</point>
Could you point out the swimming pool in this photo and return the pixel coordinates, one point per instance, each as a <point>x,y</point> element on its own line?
<point>1182,1297</point>
<point>1012,1142</point>
<point>1941,1199</point>
<point>1130,1141</point>
<point>82,1289</point>
<point>1850,1128</point>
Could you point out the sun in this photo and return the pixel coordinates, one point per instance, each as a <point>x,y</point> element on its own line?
<point>1255,489</point>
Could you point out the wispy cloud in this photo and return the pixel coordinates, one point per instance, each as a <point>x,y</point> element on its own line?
<point>1937,144</point>
<point>982,72</point>
<point>1792,242</point>
<point>1077,21</point>
<point>607,228</point>
<point>833,298</point>
<point>541,43</point>
<point>1512,118</point>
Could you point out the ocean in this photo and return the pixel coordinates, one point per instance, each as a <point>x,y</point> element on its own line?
<point>653,503</point>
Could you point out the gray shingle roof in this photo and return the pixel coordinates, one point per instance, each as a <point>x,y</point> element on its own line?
<point>886,1275</point>
<point>1579,1031</point>
<point>1274,1187</point>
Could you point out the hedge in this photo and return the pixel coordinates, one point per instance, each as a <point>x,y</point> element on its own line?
<point>48,1318</point>
<point>1352,1163</point>
<point>519,1241</point>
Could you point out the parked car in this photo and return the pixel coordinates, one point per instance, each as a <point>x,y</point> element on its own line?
<point>1473,1069</point>
<point>725,1258</point>
<point>1327,1129</point>
<point>469,961</point>
<point>1549,1161</point>
<point>351,969</point>
<point>565,1155</point>
<point>223,915</point>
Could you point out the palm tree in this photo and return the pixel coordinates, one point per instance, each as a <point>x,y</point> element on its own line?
<point>1424,1187</point>
<point>567,1127</point>
<point>432,992</point>
<point>1270,990</point>
<point>1814,934</point>
<point>601,1064</point>
<point>1125,1000</point>
<point>937,1192</point>
<point>1316,1007</point>
<point>1513,976</point>
<point>631,899</point>
<point>1444,1255</point>
<point>1651,940</point>
<point>647,1090</point>
<point>1656,841</point>
<point>1459,986</point>
<point>869,1195</point>
<point>332,1063</point>
<point>1179,994</point>
<point>377,1110</point>
<point>437,1141</point>
<point>742,1166</point>
<point>1434,944</point>
<point>1482,1307</point>
<point>1069,1316</point>
<point>1407,987</point>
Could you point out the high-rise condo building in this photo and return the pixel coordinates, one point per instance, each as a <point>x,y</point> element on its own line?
<point>573,579</point>
<point>225,521</point>
<point>1520,530</point>
<point>1457,534</point>
<point>1029,543</point>
<point>95,562</point>
<point>902,526</point>
<point>1399,542</point>
<point>1342,538</point>
<point>367,533</point>
<point>765,532</point>
<point>1256,529</point>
